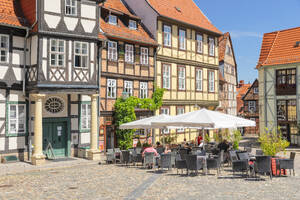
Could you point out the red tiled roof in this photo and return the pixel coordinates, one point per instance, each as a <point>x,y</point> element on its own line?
<point>241,91</point>
<point>183,10</point>
<point>117,6</point>
<point>121,31</point>
<point>280,48</point>
<point>11,13</point>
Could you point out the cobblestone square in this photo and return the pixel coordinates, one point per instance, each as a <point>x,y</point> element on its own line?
<point>93,181</point>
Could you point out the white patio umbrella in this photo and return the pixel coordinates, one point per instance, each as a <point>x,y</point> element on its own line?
<point>145,123</point>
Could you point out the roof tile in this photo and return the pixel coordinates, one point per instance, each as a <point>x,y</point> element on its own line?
<point>11,13</point>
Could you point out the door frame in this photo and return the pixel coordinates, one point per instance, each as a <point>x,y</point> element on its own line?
<point>67,120</point>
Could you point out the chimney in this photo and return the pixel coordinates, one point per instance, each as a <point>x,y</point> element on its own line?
<point>241,83</point>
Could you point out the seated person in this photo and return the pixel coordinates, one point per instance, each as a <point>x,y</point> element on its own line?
<point>224,145</point>
<point>150,150</point>
<point>167,149</point>
<point>158,144</point>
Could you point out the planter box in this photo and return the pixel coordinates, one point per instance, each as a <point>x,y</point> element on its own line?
<point>82,152</point>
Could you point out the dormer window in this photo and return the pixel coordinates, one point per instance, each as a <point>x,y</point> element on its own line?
<point>132,24</point>
<point>112,19</point>
<point>71,7</point>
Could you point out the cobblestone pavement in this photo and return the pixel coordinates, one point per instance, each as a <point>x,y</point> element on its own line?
<point>92,181</point>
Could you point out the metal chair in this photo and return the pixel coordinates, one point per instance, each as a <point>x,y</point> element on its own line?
<point>165,161</point>
<point>110,156</point>
<point>240,166</point>
<point>180,163</point>
<point>192,163</point>
<point>263,165</point>
<point>126,157</point>
<point>149,159</point>
<point>287,163</point>
<point>243,156</point>
<point>118,153</point>
<point>182,153</point>
<point>173,158</point>
<point>213,163</point>
<point>259,152</point>
<point>160,150</point>
<point>232,156</point>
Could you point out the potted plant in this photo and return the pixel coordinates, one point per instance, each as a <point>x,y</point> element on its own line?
<point>236,138</point>
<point>272,142</point>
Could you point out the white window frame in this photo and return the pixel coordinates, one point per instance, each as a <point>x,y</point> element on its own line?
<point>81,54</point>
<point>129,53</point>
<point>181,78</point>
<point>18,120</point>
<point>71,6</point>
<point>143,90</point>
<point>56,53</point>
<point>199,80</point>
<point>167,36</point>
<point>252,104</point>
<point>199,43</point>
<point>128,88</point>
<point>211,46</point>
<point>144,56</point>
<point>111,88</point>
<point>5,49</point>
<point>112,51</point>
<point>166,76</point>
<point>211,81</point>
<point>165,111</point>
<point>112,19</point>
<point>132,24</point>
<point>179,111</point>
<point>182,39</point>
<point>85,117</point>
<point>255,90</point>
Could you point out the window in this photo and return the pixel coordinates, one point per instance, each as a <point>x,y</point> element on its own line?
<point>128,88</point>
<point>111,88</point>
<point>54,105</point>
<point>232,70</point>
<point>57,53</point>
<point>228,50</point>
<point>181,78</point>
<point>286,110</point>
<point>255,90</point>
<point>167,35</point>
<point>199,80</point>
<point>143,90</point>
<point>85,116</point>
<point>211,47</point>
<point>166,76</point>
<point>144,56</point>
<point>132,24</point>
<point>16,118</point>
<point>112,19</point>
<point>71,7</point>
<point>112,51</point>
<point>252,106</point>
<point>180,110</point>
<point>166,111</point>
<point>182,39</point>
<point>286,81</point>
<point>129,55</point>
<point>199,43</point>
<point>4,47</point>
<point>81,54</point>
<point>211,81</point>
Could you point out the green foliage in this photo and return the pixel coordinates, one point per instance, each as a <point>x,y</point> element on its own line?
<point>125,112</point>
<point>207,138</point>
<point>271,142</point>
<point>236,138</point>
<point>218,137</point>
<point>168,139</point>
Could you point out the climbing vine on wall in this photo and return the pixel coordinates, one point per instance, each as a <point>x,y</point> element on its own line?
<point>125,112</point>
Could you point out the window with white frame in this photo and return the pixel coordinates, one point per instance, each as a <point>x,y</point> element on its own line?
<point>181,78</point>
<point>211,46</point>
<point>166,111</point>
<point>143,90</point>
<point>129,53</point>
<point>144,56</point>
<point>228,50</point>
<point>111,88</point>
<point>211,81</point>
<point>182,39</point>
<point>132,24</point>
<point>81,54</point>
<point>57,53</point>
<point>199,80</point>
<point>255,90</point>
<point>16,118</point>
<point>112,51</point>
<point>180,110</point>
<point>199,39</point>
<point>4,48</point>
<point>166,76</point>
<point>252,106</point>
<point>85,116</point>
<point>167,35</point>
<point>112,19</point>
<point>71,7</point>
<point>128,87</point>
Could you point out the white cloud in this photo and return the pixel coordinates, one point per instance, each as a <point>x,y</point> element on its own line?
<point>238,34</point>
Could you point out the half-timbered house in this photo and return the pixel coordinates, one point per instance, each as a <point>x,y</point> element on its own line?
<point>127,64</point>
<point>187,60</point>
<point>49,77</point>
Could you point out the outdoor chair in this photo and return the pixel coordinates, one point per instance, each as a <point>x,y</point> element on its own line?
<point>117,152</point>
<point>180,163</point>
<point>173,158</point>
<point>232,156</point>
<point>149,159</point>
<point>110,156</point>
<point>126,157</point>
<point>213,163</point>
<point>259,152</point>
<point>240,166</point>
<point>243,156</point>
<point>182,153</point>
<point>287,163</point>
<point>160,150</point>
<point>165,161</point>
<point>192,164</point>
<point>262,165</point>
<point>138,150</point>
<point>248,149</point>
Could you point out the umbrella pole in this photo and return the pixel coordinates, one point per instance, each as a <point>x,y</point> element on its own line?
<point>203,139</point>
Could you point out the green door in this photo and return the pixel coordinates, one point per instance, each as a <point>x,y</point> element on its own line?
<point>56,134</point>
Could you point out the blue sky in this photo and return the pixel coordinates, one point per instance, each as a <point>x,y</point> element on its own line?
<point>247,21</point>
